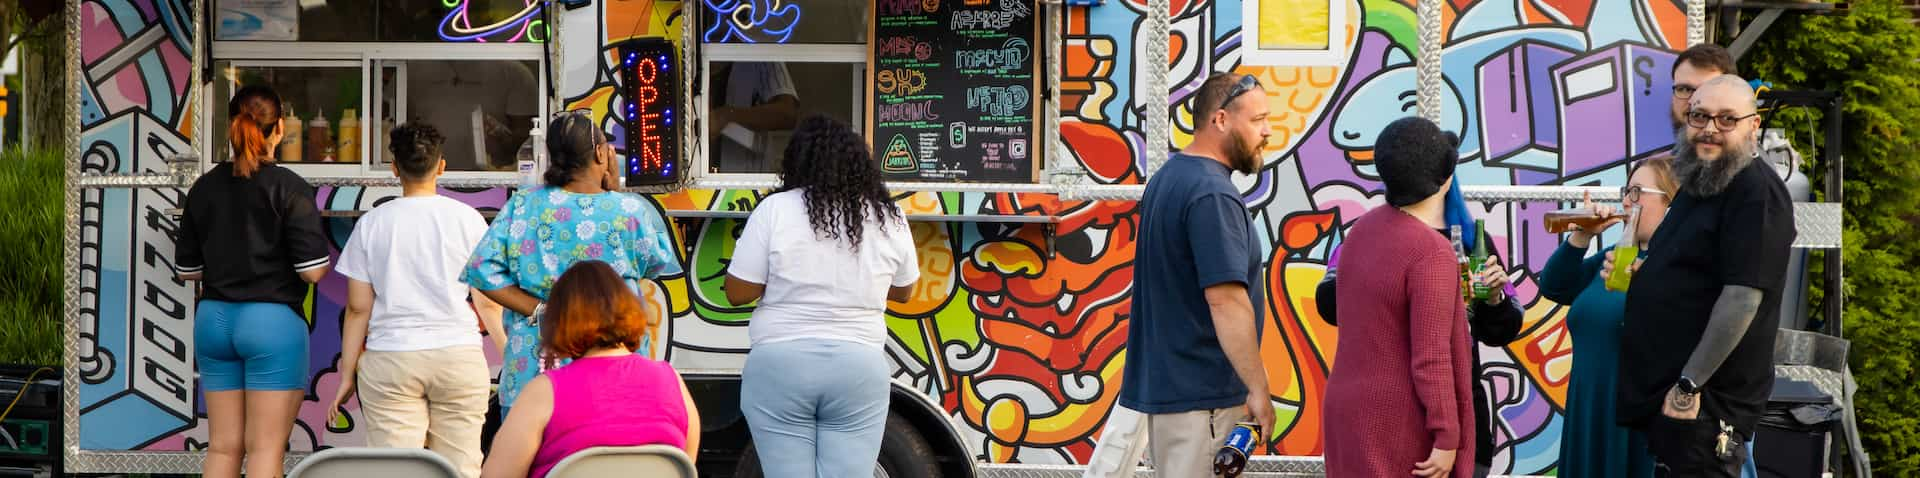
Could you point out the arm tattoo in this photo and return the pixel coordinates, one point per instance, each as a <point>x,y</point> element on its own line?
<point>1684,402</point>
<point>1732,313</point>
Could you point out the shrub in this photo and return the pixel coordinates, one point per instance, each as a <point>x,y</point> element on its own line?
<point>1868,55</point>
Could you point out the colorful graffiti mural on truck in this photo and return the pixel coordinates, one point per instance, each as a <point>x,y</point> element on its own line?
<point>1021,344</point>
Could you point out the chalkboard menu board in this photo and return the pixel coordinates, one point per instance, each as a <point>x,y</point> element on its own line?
<point>955,90</point>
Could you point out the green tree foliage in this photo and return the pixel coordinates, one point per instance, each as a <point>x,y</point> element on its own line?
<point>1868,54</point>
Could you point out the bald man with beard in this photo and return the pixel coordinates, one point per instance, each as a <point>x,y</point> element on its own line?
<point>1703,310</point>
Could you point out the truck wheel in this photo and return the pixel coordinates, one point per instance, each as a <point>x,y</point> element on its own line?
<point>903,453</point>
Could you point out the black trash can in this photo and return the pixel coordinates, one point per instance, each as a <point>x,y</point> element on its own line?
<point>31,440</point>
<point>1794,436</point>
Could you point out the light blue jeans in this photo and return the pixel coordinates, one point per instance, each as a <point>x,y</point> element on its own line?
<point>817,407</point>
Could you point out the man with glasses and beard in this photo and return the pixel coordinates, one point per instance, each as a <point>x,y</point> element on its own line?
<point>1692,68</point>
<point>1702,313</point>
<point>1193,345</point>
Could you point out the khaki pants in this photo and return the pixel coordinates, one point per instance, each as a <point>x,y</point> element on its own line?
<point>433,398</point>
<point>1183,444</point>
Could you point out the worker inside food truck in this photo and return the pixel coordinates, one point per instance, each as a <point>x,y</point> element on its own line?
<point>758,99</point>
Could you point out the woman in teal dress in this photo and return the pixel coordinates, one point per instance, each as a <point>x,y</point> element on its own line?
<point>578,215</point>
<point>1591,444</point>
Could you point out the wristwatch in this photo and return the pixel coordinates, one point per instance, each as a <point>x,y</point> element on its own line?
<point>1687,386</point>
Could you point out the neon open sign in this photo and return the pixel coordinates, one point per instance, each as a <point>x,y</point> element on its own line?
<point>650,92</point>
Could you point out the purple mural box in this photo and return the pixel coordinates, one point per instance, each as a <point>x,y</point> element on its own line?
<point>1614,105</point>
<point>1519,110</point>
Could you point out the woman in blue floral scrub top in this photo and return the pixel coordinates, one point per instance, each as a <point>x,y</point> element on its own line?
<point>577,216</point>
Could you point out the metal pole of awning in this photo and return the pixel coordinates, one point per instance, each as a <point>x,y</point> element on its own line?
<point>1153,103</point>
<point>184,169</point>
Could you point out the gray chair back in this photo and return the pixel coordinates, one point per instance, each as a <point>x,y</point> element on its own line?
<point>649,461</point>
<point>344,462</point>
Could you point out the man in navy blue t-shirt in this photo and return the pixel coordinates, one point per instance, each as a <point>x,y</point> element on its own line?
<point>1193,358</point>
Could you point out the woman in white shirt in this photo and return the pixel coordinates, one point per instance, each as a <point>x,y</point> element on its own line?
<point>823,255</point>
<point>423,376</point>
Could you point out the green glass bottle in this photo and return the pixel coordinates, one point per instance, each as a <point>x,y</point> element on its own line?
<point>1478,261</point>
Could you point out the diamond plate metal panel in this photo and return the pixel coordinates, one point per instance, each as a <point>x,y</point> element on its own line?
<point>1158,37</point>
<point>1696,22</point>
<point>1820,225</point>
<point>189,463</point>
<point>1830,382</point>
<point>70,332</point>
<point>1427,73</point>
<point>1260,467</point>
<point>151,462</point>
<point>1795,347</point>
<point>104,181</point>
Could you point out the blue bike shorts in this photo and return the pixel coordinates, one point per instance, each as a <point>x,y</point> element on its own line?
<point>250,346</point>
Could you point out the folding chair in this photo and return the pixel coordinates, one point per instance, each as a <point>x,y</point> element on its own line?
<point>374,463</point>
<point>648,461</point>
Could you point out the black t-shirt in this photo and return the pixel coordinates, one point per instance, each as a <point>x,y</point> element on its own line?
<point>1740,237</point>
<point>251,237</point>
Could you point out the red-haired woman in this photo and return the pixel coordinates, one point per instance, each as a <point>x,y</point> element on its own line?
<point>251,235</point>
<point>608,395</point>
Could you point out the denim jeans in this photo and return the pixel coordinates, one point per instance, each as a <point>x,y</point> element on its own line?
<point>817,407</point>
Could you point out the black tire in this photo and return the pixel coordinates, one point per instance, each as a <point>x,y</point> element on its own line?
<point>906,454</point>
<point>903,454</point>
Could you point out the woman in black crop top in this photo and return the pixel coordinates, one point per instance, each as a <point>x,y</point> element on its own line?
<point>251,236</point>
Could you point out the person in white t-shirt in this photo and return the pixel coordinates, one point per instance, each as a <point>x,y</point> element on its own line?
<point>423,377</point>
<point>823,255</point>
<point>760,99</point>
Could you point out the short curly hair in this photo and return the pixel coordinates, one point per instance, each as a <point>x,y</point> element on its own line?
<point>416,149</point>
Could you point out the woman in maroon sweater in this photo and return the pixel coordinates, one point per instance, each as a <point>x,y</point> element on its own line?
<point>1400,397</point>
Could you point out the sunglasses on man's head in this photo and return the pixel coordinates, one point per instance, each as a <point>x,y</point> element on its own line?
<point>1247,83</point>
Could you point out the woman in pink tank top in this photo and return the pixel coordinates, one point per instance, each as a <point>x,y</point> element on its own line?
<point>608,396</point>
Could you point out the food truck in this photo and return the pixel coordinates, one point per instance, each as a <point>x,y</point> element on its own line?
<point>1016,135</point>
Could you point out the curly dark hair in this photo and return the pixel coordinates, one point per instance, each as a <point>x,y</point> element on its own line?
<point>416,149</point>
<point>831,165</point>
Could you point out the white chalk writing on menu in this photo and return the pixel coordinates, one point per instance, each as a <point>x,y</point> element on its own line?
<point>955,90</point>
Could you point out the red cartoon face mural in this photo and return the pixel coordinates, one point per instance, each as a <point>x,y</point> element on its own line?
<point>1052,328</point>
<point>1052,321</point>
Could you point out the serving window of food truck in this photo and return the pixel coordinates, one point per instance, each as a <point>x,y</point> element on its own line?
<point>763,72</point>
<point>945,92</point>
<point>349,71</point>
